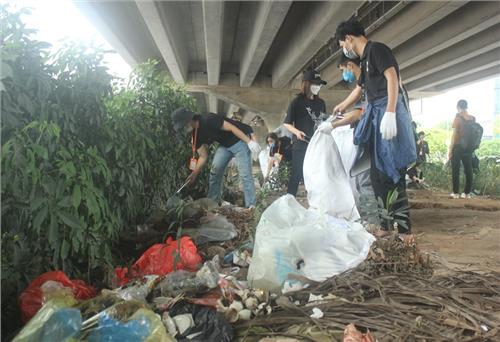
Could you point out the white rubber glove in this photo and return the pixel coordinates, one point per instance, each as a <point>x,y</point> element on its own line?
<point>326,127</point>
<point>254,148</point>
<point>388,126</point>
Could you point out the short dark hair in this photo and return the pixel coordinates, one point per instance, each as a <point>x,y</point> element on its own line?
<point>344,60</point>
<point>421,133</point>
<point>350,27</point>
<point>273,136</point>
<point>462,104</point>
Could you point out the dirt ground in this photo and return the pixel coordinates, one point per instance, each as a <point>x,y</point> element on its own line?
<point>460,233</point>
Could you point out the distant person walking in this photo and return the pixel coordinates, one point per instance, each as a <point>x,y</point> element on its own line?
<point>422,148</point>
<point>458,152</point>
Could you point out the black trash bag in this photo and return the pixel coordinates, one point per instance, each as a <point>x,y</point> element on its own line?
<point>213,325</point>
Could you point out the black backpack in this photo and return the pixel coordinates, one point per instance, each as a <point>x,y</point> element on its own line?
<point>472,134</point>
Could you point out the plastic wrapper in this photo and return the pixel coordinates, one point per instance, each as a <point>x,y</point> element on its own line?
<point>213,228</point>
<point>92,307</point>
<point>47,286</point>
<point>210,326</point>
<point>139,289</point>
<point>142,326</point>
<point>55,321</point>
<point>160,258</point>
<point>189,283</point>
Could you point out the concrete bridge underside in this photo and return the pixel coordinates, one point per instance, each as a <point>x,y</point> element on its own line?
<point>246,57</point>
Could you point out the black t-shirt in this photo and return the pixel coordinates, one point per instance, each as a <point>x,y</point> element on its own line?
<point>210,130</point>
<point>376,59</point>
<point>306,115</point>
<point>281,147</point>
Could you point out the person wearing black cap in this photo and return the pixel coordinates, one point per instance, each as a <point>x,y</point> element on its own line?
<point>304,115</point>
<point>235,141</point>
<point>385,127</point>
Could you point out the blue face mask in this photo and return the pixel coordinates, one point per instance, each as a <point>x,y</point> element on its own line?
<point>348,76</point>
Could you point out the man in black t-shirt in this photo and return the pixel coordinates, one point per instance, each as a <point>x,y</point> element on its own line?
<point>235,141</point>
<point>385,127</point>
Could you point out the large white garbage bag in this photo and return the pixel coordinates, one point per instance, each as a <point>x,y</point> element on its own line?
<point>291,239</point>
<point>343,137</point>
<point>326,181</point>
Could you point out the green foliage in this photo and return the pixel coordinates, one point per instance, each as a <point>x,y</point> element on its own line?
<point>489,148</point>
<point>81,163</point>
<point>485,182</point>
<point>393,216</point>
<point>438,140</point>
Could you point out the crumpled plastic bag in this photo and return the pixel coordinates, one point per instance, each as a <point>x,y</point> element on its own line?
<point>143,326</point>
<point>49,285</point>
<point>210,325</point>
<point>190,283</point>
<point>138,290</point>
<point>159,260</point>
<point>291,239</point>
<point>213,228</point>
<point>55,321</point>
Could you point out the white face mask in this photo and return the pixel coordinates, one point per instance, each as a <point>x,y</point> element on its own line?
<point>315,88</point>
<point>349,53</point>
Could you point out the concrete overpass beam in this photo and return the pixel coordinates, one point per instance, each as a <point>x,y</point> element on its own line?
<point>269,103</point>
<point>318,28</point>
<point>166,36</point>
<point>413,19</point>
<point>269,18</point>
<point>467,79</point>
<point>468,67</point>
<point>213,22</point>
<point>464,50</point>
<point>467,21</point>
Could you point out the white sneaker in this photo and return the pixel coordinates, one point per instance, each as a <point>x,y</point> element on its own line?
<point>463,195</point>
<point>454,196</point>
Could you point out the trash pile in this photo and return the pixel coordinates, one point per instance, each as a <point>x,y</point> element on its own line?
<point>307,277</point>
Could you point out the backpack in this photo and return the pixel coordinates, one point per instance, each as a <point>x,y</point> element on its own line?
<point>472,134</point>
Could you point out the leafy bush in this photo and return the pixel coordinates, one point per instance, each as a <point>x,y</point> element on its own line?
<point>81,162</point>
<point>485,182</point>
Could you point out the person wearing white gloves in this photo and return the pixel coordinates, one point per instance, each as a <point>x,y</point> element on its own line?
<point>235,141</point>
<point>304,115</point>
<point>385,128</point>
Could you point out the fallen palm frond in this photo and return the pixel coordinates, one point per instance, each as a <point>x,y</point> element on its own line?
<point>394,295</point>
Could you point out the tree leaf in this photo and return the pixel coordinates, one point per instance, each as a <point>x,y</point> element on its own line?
<point>76,197</point>
<point>40,217</point>
<point>64,249</point>
<point>53,230</point>
<point>69,219</point>
<point>65,202</point>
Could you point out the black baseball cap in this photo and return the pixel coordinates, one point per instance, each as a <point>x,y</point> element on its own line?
<point>313,76</point>
<point>180,118</point>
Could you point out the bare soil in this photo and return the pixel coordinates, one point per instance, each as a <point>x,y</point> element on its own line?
<point>460,233</point>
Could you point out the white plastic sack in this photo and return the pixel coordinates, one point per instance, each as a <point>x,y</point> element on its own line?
<point>291,239</point>
<point>327,183</point>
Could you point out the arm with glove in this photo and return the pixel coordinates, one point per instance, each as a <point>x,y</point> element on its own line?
<point>252,144</point>
<point>388,125</point>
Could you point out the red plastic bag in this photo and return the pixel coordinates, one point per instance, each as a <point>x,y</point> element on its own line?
<point>32,298</point>
<point>159,260</point>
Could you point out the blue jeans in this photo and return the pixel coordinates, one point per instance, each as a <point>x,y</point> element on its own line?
<point>222,157</point>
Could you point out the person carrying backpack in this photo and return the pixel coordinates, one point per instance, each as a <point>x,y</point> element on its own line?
<point>465,139</point>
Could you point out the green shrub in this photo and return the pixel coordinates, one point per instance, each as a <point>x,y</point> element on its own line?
<point>81,162</point>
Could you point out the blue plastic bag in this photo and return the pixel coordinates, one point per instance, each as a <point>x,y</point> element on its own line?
<point>111,330</point>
